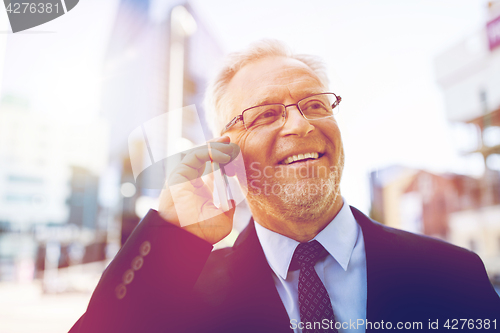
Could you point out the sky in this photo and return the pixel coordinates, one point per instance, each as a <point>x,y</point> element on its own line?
<point>380,59</point>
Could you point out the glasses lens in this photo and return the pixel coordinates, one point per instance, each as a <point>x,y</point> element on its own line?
<point>263,116</point>
<point>318,106</point>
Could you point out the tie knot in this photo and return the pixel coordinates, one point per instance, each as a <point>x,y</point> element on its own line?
<point>307,254</point>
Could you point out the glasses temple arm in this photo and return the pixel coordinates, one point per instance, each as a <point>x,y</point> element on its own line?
<point>231,124</point>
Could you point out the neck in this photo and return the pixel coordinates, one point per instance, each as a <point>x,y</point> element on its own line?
<point>297,228</point>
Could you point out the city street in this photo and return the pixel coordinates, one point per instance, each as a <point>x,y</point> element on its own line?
<point>25,309</point>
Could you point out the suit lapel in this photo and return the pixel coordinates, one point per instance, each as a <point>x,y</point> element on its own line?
<point>250,269</point>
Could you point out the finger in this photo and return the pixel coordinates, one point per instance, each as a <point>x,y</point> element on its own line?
<point>199,157</point>
<point>226,148</point>
<point>222,143</point>
<point>193,164</point>
<point>235,151</point>
<point>187,172</point>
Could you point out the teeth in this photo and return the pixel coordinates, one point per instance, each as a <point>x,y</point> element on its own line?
<point>299,157</point>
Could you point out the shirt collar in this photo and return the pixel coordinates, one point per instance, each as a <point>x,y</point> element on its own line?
<point>338,238</point>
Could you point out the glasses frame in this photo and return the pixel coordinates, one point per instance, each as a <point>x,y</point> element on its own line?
<point>239,118</point>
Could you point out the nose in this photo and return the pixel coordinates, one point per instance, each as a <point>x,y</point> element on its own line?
<point>295,123</point>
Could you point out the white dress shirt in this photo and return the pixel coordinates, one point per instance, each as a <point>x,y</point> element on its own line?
<point>343,271</point>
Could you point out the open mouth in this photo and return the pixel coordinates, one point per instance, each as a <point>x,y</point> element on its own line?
<point>301,158</point>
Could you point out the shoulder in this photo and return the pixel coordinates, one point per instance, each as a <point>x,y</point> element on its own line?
<point>428,273</point>
<point>410,246</point>
<point>422,260</point>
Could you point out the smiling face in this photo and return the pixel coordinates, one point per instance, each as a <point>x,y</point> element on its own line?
<point>293,171</point>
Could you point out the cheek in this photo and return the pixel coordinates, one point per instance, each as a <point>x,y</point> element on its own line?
<point>239,138</point>
<point>251,145</point>
<point>332,132</point>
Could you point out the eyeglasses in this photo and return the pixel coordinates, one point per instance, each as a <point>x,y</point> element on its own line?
<point>271,116</point>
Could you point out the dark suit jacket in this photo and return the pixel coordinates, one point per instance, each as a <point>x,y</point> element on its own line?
<point>181,286</point>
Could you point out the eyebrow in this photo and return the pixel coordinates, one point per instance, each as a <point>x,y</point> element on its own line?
<point>268,99</point>
<point>264,101</point>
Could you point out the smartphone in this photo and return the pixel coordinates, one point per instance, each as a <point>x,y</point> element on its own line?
<point>222,186</point>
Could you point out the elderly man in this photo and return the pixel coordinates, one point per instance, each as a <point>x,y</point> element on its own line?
<point>307,262</point>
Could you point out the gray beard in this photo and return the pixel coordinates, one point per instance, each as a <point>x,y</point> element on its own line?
<point>301,201</point>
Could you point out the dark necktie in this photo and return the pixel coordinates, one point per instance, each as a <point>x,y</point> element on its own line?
<point>314,302</point>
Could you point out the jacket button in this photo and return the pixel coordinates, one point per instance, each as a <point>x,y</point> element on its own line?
<point>128,276</point>
<point>137,263</point>
<point>145,248</point>
<point>120,291</point>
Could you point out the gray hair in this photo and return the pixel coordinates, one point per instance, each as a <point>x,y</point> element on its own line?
<point>217,103</point>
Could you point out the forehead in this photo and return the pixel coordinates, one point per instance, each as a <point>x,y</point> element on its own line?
<point>272,80</point>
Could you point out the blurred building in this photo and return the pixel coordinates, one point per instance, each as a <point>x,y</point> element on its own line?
<point>159,58</point>
<point>83,200</point>
<point>33,182</point>
<point>387,186</point>
<point>446,206</point>
<point>43,163</point>
<point>413,200</point>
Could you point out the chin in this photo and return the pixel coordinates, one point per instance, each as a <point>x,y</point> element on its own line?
<point>298,200</point>
<point>309,200</point>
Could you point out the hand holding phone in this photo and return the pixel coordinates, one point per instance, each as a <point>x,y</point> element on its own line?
<point>188,201</point>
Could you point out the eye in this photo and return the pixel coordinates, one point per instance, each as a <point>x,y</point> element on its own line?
<point>263,115</point>
<point>314,105</point>
<point>268,114</point>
